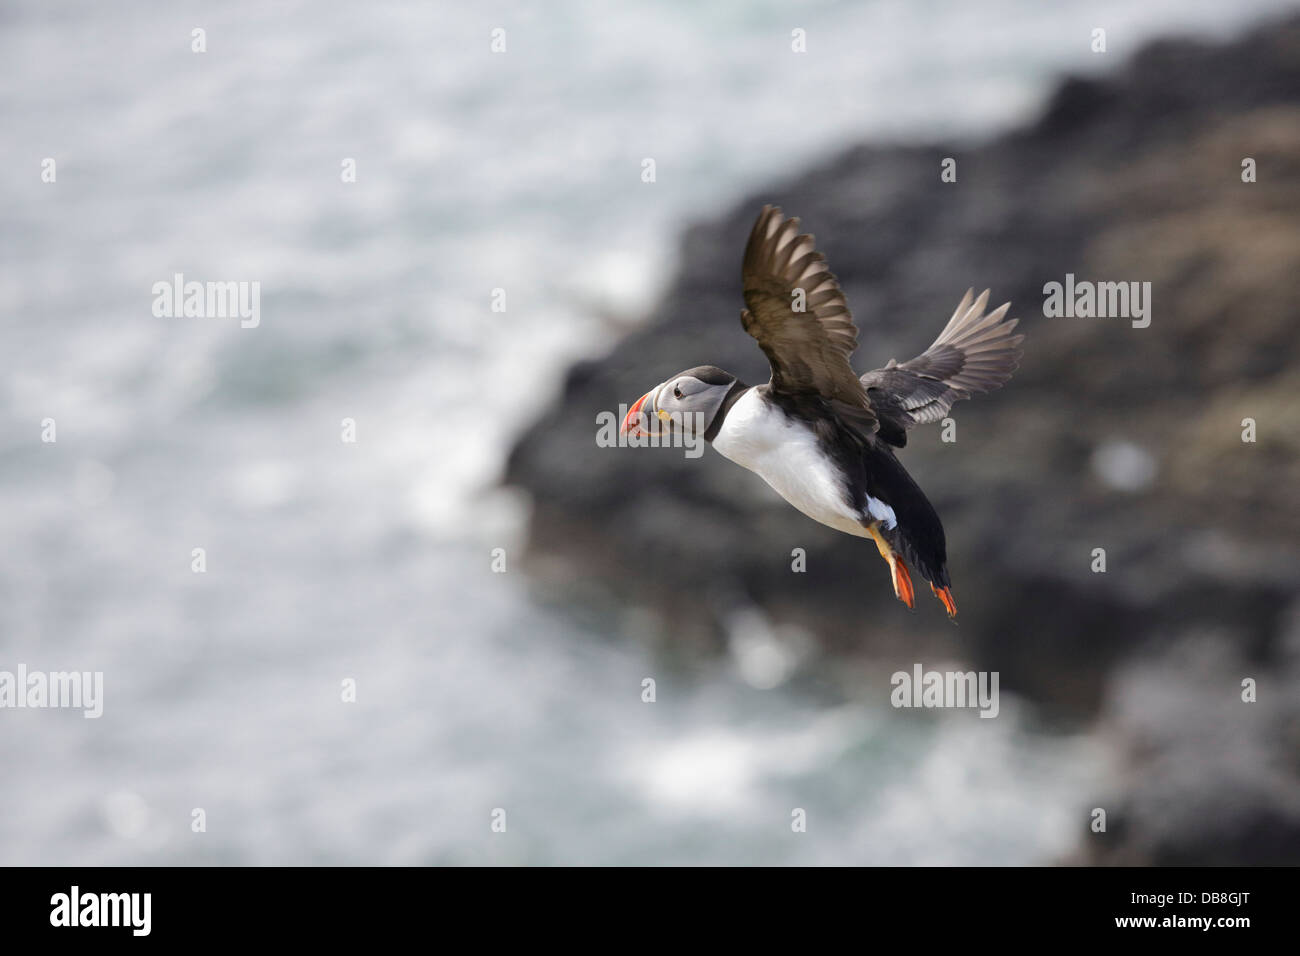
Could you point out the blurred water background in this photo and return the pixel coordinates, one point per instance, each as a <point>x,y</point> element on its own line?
<point>371,561</point>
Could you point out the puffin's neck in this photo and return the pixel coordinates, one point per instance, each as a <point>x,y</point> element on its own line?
<point>738,388</point>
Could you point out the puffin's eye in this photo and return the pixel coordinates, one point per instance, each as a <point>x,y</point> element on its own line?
<point>677,391</point>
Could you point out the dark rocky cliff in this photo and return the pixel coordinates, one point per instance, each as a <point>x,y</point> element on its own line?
<point>1110,436</point>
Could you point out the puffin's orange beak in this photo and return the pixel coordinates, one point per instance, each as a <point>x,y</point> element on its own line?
<point>632,423</point>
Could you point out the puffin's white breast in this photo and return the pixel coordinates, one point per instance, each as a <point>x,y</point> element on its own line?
<point>785,454</point>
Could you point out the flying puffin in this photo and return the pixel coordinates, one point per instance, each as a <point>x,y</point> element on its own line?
<point>819,434</point>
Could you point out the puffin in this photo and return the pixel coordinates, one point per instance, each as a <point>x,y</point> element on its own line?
<point>822,436</point>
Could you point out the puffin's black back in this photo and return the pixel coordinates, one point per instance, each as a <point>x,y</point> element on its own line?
<point>870,468</point>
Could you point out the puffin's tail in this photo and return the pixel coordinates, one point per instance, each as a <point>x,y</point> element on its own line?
<point>918,535</point>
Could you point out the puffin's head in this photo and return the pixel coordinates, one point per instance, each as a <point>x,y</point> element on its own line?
<point>689,402</point>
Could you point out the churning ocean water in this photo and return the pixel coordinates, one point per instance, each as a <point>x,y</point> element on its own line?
<point>369,561</point>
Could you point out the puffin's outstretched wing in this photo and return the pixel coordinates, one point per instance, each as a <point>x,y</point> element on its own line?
<point>974,353</point>
<point>800,318</point>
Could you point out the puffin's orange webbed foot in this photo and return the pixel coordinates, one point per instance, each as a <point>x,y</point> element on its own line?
<point>897,569</point>
<point>902,581</point>
<point>945,595</point>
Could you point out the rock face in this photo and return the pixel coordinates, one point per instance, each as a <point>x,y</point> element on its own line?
<point>1110,436</point>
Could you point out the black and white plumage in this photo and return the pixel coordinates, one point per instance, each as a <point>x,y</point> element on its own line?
<point>819,434</point>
